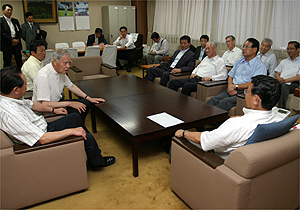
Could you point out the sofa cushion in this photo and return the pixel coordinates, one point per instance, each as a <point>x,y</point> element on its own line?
<point>265,132</point>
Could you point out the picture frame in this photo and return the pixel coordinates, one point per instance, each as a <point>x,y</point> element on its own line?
<point>43,11</point>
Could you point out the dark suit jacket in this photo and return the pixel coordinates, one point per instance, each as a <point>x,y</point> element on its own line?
<point>198,50</point>
<point>91,40</point>
<point>186,62</point>
<point>6,44</point>
<point>27,34</point>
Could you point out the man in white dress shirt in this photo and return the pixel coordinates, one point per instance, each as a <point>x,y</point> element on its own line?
<point>261,96</point>
<point>127,45</point>
<point>50,81</point>
<point>35,62</point>
<point>211,68</point>
<point>232,54</point>
<point>288,72</point>
<point>159,49</point>
<point>268,58</point>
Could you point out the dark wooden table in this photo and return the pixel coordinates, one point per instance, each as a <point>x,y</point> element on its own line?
<point>130,99</point>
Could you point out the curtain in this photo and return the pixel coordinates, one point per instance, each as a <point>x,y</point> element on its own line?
<point>150,20</point>
<point>275,19</point>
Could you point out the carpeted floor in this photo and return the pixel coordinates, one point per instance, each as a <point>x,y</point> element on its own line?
<point>114,187</point>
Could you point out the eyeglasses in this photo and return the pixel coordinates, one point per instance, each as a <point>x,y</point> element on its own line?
<point>67,62</point>
<point>291,48</point>
<point>246,91</point>
<point>247,46</point>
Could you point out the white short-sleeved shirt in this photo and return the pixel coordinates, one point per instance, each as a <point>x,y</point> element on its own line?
<point>211,67</point>
<point>289,68</point>
<point>48,84</point>
<point>236,131</point>
<point>127,42</point>
<point>29,69</point>
<point>231,56</point>
<point>20,122</point>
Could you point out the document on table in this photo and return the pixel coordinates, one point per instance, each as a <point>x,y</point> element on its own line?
<point>165,120</point>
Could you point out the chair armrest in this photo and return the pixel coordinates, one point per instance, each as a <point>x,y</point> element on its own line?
<point>209,158</point>
<point>108,69</point>
<point>75,74</point>
<point>297,92</point>
<point>212,83</point>
<point>180,74</point>
<point>22,148</point>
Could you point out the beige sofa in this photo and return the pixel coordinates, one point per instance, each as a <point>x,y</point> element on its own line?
<point>264,175</point>
<point>30,175</point>
<point>90,67</point>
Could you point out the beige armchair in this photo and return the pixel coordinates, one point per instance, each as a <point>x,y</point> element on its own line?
<point>30,175</point>
<point>90,67</point>
<point>263,175</point>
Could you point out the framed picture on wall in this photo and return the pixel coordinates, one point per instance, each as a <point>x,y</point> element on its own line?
<point>43,11</point>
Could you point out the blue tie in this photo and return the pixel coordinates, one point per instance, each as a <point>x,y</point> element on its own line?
<point>33,31</point>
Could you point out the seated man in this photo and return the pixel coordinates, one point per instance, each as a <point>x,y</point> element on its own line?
<point>50,81</point>
<point>261,96</point>
<point>126,42</point>
<point>183,60</point>
<point>97,38</point>
<point>239,77</point>
<point>159,49</point>
<point>29,128</point>
<point>35,62</point>
<point>288,72</point>
<point>212,68</point>
<point>268,58</point>
<point>232,54</point>
<point>200,50</point>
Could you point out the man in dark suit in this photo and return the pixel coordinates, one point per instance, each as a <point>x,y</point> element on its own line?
<point>30,30</point>
<point>182,61</point>
<point>10,37</point>
<point>97,38</point>
<point>200,50</point>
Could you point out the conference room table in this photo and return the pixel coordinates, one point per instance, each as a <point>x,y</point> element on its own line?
<point>130,100</point>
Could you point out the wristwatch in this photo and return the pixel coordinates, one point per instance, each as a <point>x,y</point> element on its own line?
<point>184,133</point>
<point>236,86</point>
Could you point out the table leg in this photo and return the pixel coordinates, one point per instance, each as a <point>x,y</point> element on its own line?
<point>135,165</point>
<point>143,73</point>
<point>93,117</point>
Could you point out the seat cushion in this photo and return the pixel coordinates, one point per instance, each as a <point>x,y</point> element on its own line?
<point>269,131</point>
<point>97,76</point>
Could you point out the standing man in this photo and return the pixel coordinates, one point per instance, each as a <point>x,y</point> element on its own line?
<point>29,128</point>
<point>200,50</point>
<point>50,81</point>
<point>183,60</point>
<point>288,72</point>
<point>159,49</point>
<point>212,68</point>
<point>232,54</point>
<point>268,58</point>
<point>10,37</point>
<point>239,78</point>
<point>30,30</point>
<point>35,62</point>
<point>127,48</point>
<point>97,38</point>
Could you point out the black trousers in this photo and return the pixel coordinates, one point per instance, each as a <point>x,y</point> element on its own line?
<point>188,85</point>
<point>74,120</point>
<point>8,55</point>
<point>158,72</point>
<point>82,114</point>
<point>126,55</point>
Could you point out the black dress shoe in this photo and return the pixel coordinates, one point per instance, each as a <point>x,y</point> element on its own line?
<point>108,160</point>
<point>119,68</point>
<point>128,69</point>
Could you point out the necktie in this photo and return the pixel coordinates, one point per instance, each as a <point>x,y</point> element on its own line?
<point>33,30</point>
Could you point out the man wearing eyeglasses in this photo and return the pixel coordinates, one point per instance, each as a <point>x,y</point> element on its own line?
<point>50,81</point>
<point>261,96</point>
<point>288,72</point>
<point>239,78</point>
